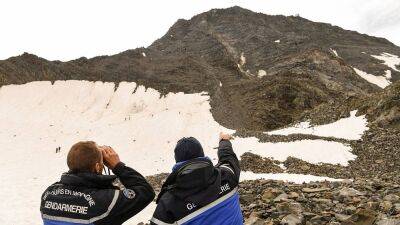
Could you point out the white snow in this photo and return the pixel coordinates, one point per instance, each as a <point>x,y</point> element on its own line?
<point>388,74</point>
<point>350,128</point>
<point>334,52</point>
<point>220,83</point>
<point>389,60</point>
<point>143,127</point>
<point>143,54</point>
<point>277,41</point>
<point>261,73</point>
<point>380,81</point>
<point>242,59</point>
<point>288,177</point>
<point>312,151</point>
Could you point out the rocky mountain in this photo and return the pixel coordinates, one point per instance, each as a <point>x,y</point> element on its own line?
<point>264,71</point>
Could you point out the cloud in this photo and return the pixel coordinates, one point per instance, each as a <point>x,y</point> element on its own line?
<point>379,15</point>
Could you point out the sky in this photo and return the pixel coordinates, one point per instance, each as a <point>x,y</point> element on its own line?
<point>68,29</point>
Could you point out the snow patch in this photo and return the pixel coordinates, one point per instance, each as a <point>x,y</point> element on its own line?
<point>380,81</point>
<point>388,74</point>
<point>242,59</point>
<point>277,41</point>
<point>261,73</point>
<point>143,54</point>
<point>389,60</point>
<point>312,151</point>
<point>334,52</point>
<point>350,128</point>
<point>220,83</point>
<point>287,177</point>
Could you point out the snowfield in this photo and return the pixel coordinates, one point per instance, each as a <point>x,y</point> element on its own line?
<point>143,127</point>
<point>350,128</point>
<point>380,81</point>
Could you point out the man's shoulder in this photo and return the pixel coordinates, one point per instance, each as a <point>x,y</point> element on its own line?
<point>79,203</point>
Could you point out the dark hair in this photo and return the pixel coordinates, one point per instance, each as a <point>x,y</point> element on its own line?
<point>83,156</point>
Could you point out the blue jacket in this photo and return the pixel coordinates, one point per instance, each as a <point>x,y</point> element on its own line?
<point>199,193</point>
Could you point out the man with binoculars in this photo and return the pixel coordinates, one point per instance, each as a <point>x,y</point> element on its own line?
<point>85,196</point>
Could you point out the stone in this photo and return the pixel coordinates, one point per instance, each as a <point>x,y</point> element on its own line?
<point>341,217</point>
<point>385,206</point>
<point>317,220</point>
<point>304,167</point>
<point>388,222</point>
<point>254,219</point>
<point>397,208</point>
<point>270,194</point>
<point>392,198</point>
<point>281,197</point>
<point>314,190</point>
<point>361,217</point>
<point>293,195</point>
<point>290,207</point>
<point>292,219</point>
<point>349,192</point>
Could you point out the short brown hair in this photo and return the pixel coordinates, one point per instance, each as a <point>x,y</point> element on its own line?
<point>83,156</point>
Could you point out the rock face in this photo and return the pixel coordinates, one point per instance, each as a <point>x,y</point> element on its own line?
<point>358,202</point>
<point>261,70</point>
<point>362,202</point>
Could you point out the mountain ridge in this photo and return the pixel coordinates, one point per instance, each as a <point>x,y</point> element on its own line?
<point>239,57</point>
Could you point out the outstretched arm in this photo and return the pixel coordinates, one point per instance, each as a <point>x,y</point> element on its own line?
<point>227,159</point>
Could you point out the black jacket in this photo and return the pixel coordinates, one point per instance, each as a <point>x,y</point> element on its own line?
<point>88,198</point>
<point>199,193</point>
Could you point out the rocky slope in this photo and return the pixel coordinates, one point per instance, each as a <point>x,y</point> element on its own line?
<point>358,202</point>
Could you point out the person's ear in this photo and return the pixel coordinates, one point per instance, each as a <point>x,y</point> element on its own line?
<point>98,168</point>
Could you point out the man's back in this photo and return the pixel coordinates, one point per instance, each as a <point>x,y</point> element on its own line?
<point>199,193</point>
<point>90,198</point>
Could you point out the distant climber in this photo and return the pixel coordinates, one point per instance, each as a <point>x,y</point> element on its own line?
<point>85,196</point>
<point>197,192</point>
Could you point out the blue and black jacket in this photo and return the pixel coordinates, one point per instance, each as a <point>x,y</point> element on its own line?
<point>89,198</point>
<point>199,193</point>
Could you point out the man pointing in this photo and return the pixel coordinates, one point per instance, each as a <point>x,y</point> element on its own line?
<point>197,192</point>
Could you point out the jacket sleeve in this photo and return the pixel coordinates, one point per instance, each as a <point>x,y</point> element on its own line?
<point>135,196</point>
<point>227,159</point>
<point>162,215</point>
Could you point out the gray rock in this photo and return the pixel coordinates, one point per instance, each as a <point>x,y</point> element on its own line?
<point>392,198</point>
<point>349,192</point>
<point>388,222</point>
<point>314,190</point>
<point>281,197</point>
<point>292,219</point>
<point>341,217</point>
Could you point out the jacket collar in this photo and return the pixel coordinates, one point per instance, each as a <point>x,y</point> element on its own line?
<point>178,165</point>
<point>90,180</point>
<point>190,177</point>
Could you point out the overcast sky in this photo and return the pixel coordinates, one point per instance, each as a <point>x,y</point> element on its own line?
<point>68,29</point>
